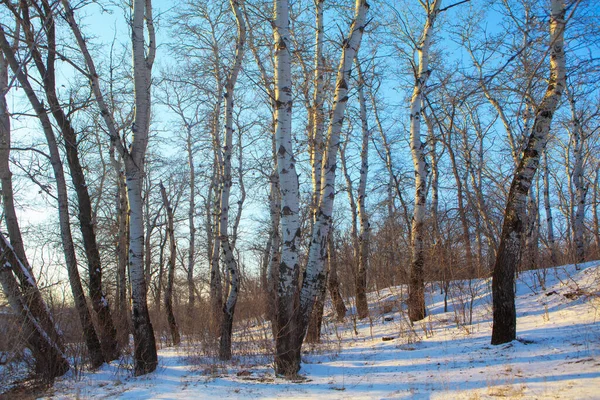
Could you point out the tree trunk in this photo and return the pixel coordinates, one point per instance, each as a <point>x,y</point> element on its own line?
<point>42,335</point>
<point>333,283</point>
<point>416,291</point>
<point>314,276</point>
<point>86,221</point>
<point>287,350</point>
<point>192,227</point>
<point>578,182</point>
<point>28,284</point>
<point>548,208</point>
<point>509,252</point>
<point>143,334</point>
<point>133,156</point>
<point>226,183</point>
<point>362,307</point>
<point>171,274</point>
<point>316,143</point>
<point>122,249</point>
<point>50,360</point>
<point>90,336</point>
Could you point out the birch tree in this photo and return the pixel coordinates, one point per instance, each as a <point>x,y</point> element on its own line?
<point>577,143</point>
<point>287,347</point>
<point>226,183</point>
<point>292,318</point>
<point>509,251</point>
<point>416,293</point>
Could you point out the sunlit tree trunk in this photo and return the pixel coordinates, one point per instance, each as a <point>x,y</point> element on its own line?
<point>416,292</point>
<point>287,347</point>
<point>314,275</point>
<point>133,157</point>
<point>143,334</point>
<point>509,252</point>
<point>226,182</point>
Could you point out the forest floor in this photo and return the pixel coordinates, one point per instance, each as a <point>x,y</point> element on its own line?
<point>557,354</point>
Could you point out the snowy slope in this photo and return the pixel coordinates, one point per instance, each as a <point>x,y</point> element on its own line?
<point>557,354</point>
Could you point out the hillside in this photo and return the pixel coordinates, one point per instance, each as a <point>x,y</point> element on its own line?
<point>557,354</point>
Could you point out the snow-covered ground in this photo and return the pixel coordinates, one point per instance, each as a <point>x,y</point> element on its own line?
<point>557,354</point>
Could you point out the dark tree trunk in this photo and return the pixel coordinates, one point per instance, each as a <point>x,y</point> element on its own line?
<point>86,223</point>
<point>333,284</point>
<point>313,333</point>
<point>50,361</point>
<point>28,285</point>
<point>123,317</point>
<point>171,275</point>
<point>509,252</point>
<point>89,331</point>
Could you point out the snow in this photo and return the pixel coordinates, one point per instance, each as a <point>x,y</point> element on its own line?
<point>557,354</point>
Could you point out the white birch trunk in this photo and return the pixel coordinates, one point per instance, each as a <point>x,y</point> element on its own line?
<point>578,182</point>
<point>286,346</point>
<point>416,297</point>
<point>314,276</point>
<point>316,144</point>
<point>143,333</point>
<point>226,183</point>
<point>144,341</point>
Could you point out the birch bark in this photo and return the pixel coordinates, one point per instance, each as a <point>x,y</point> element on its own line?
<point>416,293</point>
<point>314,275</point>
<point>133,158</point>
<point>287,348</point>
<point>226,183</point>
<point>143,334</point>
<point>509,252</point>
